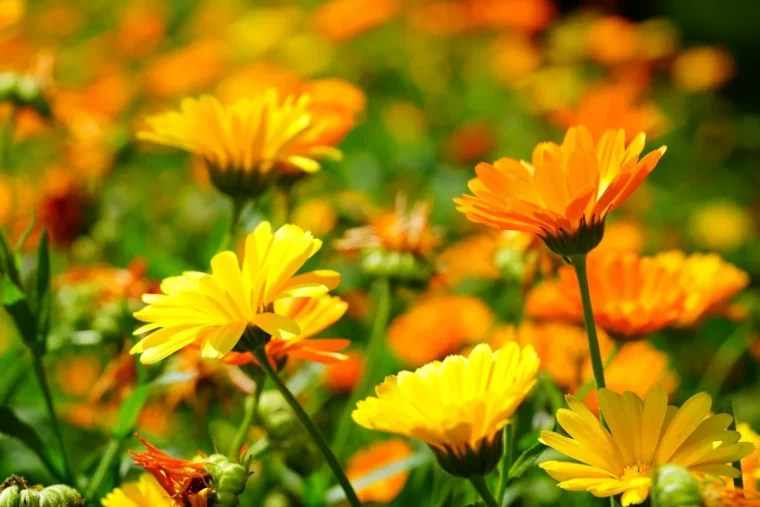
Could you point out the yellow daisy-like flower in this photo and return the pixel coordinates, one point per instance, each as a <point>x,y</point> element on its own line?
<point>457,406</point>
<point>145,491</point>
<point>246,143</point>
<point>215,310</point>
<point>644,434</point>
<point>565,193</point>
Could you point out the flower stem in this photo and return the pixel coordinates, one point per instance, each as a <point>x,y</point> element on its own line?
<point>106,461</point>
<point>579,263</point>
<point>506,461</point>
<point>588,385</point>
<point>381,295</point>
<point>480,485</point>
<point>237,211</point>
<point>309,426</point>
<point>39,370</point>
<point>251,407</point>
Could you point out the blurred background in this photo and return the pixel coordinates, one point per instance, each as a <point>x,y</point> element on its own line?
<point>418,92</point>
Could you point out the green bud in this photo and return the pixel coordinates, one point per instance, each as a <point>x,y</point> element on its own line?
<point>8,82</point>
<point>399,265</point>
<point>228,479</point>
<point>29,498</point>
<point>10,497</point>
<point>674,486</point>
<point>286,433</point>
<point>60,495</point>
<point>16,492</point>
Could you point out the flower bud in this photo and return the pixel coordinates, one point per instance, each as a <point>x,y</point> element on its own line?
<point>285,432</point>
<point>674,486</point>
<point>394,264</point>
<point>228,479</point>
<point>10,497</point>
<point>16,492</point>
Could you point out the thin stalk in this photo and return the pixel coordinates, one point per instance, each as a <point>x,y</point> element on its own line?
<point>106,461</point>
<point>739,481</point>
<point>309,426</point>
<point>506,462</point>
<point>6,140</point>
<point>251,407</point>
<point>39,370</point>
<point>381,295</point>
<point>480,485</point>
<point>587,386</point>
<point>228,240</point>
<point>579,263</point>
<point>723,361</point>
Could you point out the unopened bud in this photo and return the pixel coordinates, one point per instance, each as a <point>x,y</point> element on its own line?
<point>675,487</point>
<point>228,479</point>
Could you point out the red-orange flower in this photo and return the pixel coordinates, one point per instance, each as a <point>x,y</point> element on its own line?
<point>344,375</point>
<point>345,19</point>
<point>185,481</point>
<point>373,457</point>
<point>631,296</point>
<point>565,194</point>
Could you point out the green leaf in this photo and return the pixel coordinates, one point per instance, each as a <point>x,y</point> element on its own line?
<point>42,289</point>
<point>12,426</point>
<point>129,412</point>
<point>8,265</point>
<point>27,232</point>
<point>526,460</point>
<point>17,306</point>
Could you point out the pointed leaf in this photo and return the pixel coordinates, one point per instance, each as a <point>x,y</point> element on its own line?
<point>14,427</point>
<point>8,264</point>
<point>129,412</point>
<point>526,460</point>
<point>15,303</point>
<point>42,289</point>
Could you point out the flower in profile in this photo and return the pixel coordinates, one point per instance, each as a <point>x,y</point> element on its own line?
<point>215,310</point>
<point>373,457</point>
<point>702,68</point>
<point>643,435</point>
<point>312,316</point>
<point>613,106</point>
<point>186,482</point>
<point>457,406</point>
<point>395,243</point>
<point>565,194</point>
<point>708,281</point>
<point>447,323</point>
<point>631,296</point>
<point>144,491</point>
<point>247,144</point>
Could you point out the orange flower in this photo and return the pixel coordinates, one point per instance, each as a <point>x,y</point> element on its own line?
<point>395,231</point>
<point>185,481</point>
<point>631,296</point>
<point>701,69</point>
<point>345,19</point>
<point>141,28</point>
<point>343,376</point>
<point>751,463</point>
<point>10,12</point>
<point>317,215</point>
<point>613,107</point>
<point>373,457</point>
<point>621,236</point>
<point>565,195</point>
<point>185,70</point>
<point>313,315</point>
<point>470,142</point>
<point>720,494</point>
<point>112,284</point>
<point>438,326</point>
<point>77,374</point>
<point>513,59</point>
<point>471,258</point>
<point>613,40</point>
<point>708,282</point>
<point>527,15</point>
<point>336,104</point>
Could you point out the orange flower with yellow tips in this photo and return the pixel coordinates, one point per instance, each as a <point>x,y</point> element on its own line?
<point>312,315</point>
<point>373,457</point>
<point>565,193</point>
<point>215,310</point>
<point>246,144</point>
<point>631,296</point>
<point>708,281</point>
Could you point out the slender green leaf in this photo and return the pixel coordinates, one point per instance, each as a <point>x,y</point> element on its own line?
<point>27,232</point>
<point>526,460</point>
<point>12,426</point>
<point>42,289</point>
<point>8,263</point>
<point>17,306</point>
<point>130,411</point>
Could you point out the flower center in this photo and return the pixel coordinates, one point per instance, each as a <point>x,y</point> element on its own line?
<point>636,471</point>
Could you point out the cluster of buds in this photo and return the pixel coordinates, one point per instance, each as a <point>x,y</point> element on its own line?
<point>285,433</point>
<point>16,492</point>
<point>24,91</point>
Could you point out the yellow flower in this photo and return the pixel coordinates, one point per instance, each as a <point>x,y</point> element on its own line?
<point>722,226</point>
<point>750,464</point>
<point>246,141</point>
<point>703,68</point>
<point>565,194</point>
<point>145,491</point>
<point>214,310</point>
<point>643,435</point>
<point>457,406</point>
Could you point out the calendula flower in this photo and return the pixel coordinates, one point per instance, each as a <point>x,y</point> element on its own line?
<point>622,236</point>
<point>702,68</point>
<point>214,310</point>
<point>317,215</point>
<point>448,323</point>
<point>145,491</point>
<point>565,194</point>
<point>720,494</point>
<point>312,316</point>
<point>613,40</point>
<point>631,296</point>
<point>343,376</point>
<point>708,281</point>
<point>643,435</point>
<point>185,70</point>
<point>373,457</point>
<point>613,106</point>
<point>186,482</point>
<point>245,144</point>
<point>724,226</point>
<point>751,463</point>
<point>77,374</point>
<point>345,19</point>
<point>457,406</point>
<point>394,243</point>
<point>470,258</point>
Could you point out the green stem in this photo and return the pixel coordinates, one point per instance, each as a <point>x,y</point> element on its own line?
<point>6,140</point>
<point>14,380</point>
<point>309,426</point>
<point>579,263</point>
<point>39,370</point>
<point>506,462</point>
<point>739,481</point>
<point>251,406</point>
<point>238,204</point>
<point>723,361</point>
<point>106,461</point>
<point>381,295</point>
<point>586,387</point>
<point>480,485</point>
